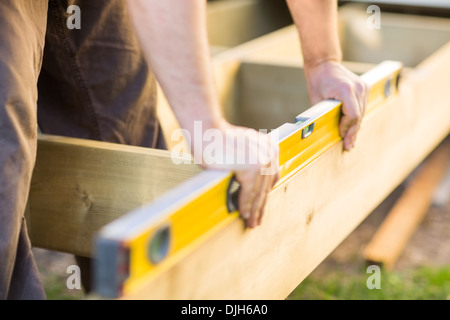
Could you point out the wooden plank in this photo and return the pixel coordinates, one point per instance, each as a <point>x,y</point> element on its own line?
<point>442,195</point>
<point>278,48</point>
<point>362,49</point>
<point>54,196</point>
<point>79,185</point>
<point>227,65</point>
<point>233,22</point>
<point>404,38</point>
<point>270,95</point>
<point>273,90</point>
<point>392,236</point>
<point>418,3</point>
<point>298,233</point>
<point>187,209</point>
<point>308,216</point>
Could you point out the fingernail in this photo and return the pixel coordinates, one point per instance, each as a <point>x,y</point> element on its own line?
<point>246,215</point>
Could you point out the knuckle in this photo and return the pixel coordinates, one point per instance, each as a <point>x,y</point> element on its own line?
<point>360,87</point>
<point>352,122</point>
<point>255,169</point>
<point>353,116</point>
<point>346,87</point>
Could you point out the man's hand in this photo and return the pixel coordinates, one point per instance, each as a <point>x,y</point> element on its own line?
<point>252,155</point>
<point>331,80</point>
<point>317,23</point>
<point>173,37</point>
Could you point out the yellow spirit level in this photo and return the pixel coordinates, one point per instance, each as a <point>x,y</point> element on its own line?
<point>143,243</point>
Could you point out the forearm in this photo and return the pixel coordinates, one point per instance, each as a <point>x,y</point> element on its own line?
<point>316,21</point>
<point>173,36</point>
<point>326,77</point>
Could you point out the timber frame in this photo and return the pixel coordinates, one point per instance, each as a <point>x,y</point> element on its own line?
<point>78,186</point>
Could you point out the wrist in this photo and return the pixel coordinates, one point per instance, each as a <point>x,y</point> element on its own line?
<point>316,62</point>
<point>199,132</point>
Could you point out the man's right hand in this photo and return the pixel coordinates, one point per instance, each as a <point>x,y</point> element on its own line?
<point>174,39</point>
<point>253,156</point>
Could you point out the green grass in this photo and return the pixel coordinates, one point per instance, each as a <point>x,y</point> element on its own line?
<point>56,289</point>
<point>419,284</point>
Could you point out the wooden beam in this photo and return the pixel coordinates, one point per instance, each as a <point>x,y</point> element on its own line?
<point>405,38</point>
<point>362,49</point>
<point>233,22</point>
<point>79,185</point>
<point>270,95</point>
<point>280,47</point>
<point>392,236</point>
<point>232,25</point>
<point>309,215</point>
<point>306,218</point>
<point>272,90</point>
<point>57,194</point>
<point>442,195</point>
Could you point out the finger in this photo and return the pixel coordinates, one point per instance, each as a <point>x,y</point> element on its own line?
<point>360,94</point>
<point>269,189</point>
<point>275,179</point>
<point>365,97</point>
<point>258,203</point>
<point>350,137</point>
<point>250,184</point>
<point>269,173</point>
<point>346,124</point>
<point>275,164</point>
<point>351,117</point>
<point>272,168</point>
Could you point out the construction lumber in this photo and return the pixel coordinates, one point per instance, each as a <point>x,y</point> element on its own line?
<point>442,195</point>
<point>414,3</point>
<point>309,215</point>
<point>406,38</point>
<point>231,25</point>
<point>272,90</point>
<point>388,243</point>
<point>80,185</point>
<point>233,22</point>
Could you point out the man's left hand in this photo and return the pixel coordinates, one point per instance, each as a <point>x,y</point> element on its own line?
<point>331,80</point>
